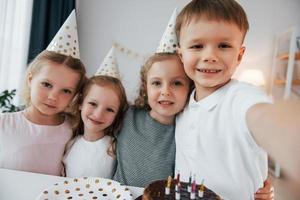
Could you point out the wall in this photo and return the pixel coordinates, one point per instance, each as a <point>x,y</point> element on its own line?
<point>138,25</point>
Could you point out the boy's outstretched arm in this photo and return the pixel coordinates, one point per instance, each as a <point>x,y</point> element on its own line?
<point>276,128</point>
<point>265,193</point>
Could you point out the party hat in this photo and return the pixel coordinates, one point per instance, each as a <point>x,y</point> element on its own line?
<point>66,39</point>
<point>169,42</point>
<point>109,66</point>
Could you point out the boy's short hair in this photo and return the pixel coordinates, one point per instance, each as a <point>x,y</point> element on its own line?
<point>222,10</point>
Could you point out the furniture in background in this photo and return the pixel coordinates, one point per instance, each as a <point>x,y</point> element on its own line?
<point>285,74</point>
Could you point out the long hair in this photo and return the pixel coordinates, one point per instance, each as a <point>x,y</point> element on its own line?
<point>104,81</point>
<point>142,99</point>
<point>46,57</point>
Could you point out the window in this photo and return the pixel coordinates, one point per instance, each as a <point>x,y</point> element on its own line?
<point>15,21</point>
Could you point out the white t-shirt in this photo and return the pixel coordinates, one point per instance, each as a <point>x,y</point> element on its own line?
<point>31,147</point>
<point>214,143</point>
<point>86,158</point>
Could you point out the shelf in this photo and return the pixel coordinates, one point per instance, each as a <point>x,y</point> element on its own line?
<point>282,82</point>
<point>285,56</point>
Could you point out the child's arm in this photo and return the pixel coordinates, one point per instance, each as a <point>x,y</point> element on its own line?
<point>276,128</point>
<point>265,193</point>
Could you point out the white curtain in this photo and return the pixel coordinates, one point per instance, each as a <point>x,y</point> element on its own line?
<point>15,21</point>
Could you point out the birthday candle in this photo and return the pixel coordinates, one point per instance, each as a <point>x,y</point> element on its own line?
<point>201,189</point>
<point>190,182</point>
<point>169,182</point>
<point>178,178</point>
<point>177,191</point>
<point>167,189</point>
<point>194,186</point>
<point>192,195</point>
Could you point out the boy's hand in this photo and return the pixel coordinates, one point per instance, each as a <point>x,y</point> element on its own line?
<point>265,193</point>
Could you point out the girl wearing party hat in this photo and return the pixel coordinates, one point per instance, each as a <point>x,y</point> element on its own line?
<point>146,143</point>
<point>34,139</point>
<point>100,113</point>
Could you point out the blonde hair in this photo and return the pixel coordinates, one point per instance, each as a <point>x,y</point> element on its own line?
<point>46,57</point>
<point>222,10</point>
<point>114,128</point>
<point>142,99</point>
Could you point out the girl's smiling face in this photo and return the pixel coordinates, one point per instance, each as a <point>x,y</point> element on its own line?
<point>167,89</point>
<point>52,88</point>
<point>98,110</point>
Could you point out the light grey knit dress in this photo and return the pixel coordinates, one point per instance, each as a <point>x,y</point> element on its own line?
<point>145,149</point>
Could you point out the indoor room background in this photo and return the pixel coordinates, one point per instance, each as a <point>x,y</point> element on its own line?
<point>136,26</point>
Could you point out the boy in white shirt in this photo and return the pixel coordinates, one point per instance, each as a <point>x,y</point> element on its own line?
<point>220,133</point>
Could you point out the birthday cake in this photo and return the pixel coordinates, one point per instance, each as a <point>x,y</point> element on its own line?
<point>156,191</point>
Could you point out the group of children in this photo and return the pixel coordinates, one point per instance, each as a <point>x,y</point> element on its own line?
<point>84,127</point>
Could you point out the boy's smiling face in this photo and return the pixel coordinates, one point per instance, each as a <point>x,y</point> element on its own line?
<point>210,51</point>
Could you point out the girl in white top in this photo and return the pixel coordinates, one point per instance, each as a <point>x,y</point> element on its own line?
<point>100,112</point>
<point>34,139</point>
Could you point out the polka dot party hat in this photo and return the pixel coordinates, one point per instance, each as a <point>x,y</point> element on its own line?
<point>66,39</point>
<point>109,66</point>
<point>169,42</point>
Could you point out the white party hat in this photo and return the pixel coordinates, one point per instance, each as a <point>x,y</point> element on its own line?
<point>66,39</point>
<point>109,66</point>
<point>169,42</point>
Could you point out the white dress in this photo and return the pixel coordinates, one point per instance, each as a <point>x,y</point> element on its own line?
<point>86,158</point>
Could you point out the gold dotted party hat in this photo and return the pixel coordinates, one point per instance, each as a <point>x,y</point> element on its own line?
<point>66,39</point>
<point>169,42</point>
<point>109,66</point>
